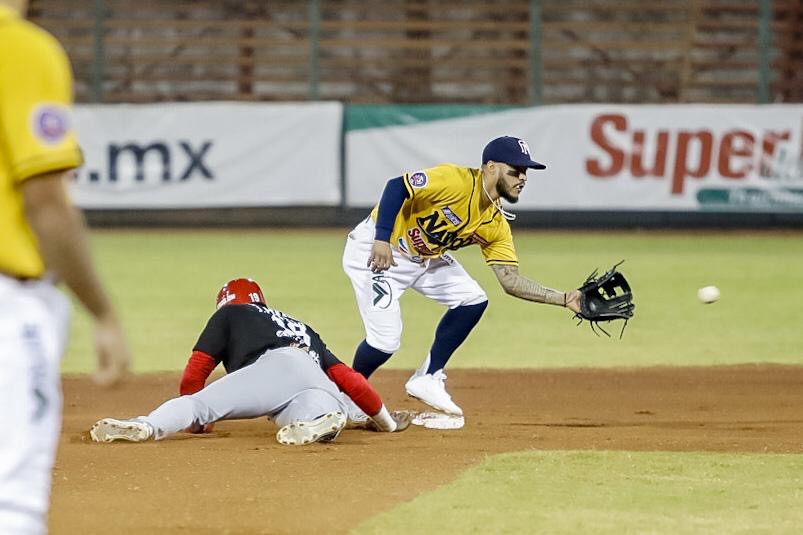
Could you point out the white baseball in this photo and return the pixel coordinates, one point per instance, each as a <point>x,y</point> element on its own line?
<point>708,294</point>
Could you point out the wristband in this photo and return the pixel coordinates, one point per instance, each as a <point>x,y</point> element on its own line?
<point>384,420</point>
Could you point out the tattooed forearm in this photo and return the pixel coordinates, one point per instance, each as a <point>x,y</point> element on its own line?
<point>524,288</point>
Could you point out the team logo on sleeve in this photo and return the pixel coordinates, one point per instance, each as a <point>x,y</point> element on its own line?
<point>50,123</point>
<point>418,180</point>
<point>451,216</point>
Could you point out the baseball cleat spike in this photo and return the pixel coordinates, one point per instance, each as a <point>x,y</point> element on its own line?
<point>325,428</point>
<point>110,430</point>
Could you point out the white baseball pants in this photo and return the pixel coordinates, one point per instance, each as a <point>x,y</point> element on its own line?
<point>34,320</point>
<point>442,279</point>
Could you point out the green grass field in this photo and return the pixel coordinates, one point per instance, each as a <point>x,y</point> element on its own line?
<point>611,493</point>
<point>165,284</point>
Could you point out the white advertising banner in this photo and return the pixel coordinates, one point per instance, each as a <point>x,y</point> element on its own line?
<point>610,157</point>
<point>199,155</point>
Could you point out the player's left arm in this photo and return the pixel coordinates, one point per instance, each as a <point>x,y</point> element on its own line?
<point>520,286</point>
<point>500,254</point>
<point>40,160</point>
<point>212,341</point>
<point>198,368</point>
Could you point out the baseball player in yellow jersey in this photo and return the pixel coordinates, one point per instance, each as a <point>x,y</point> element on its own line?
<point>42,239</point>
<point>405,241</point>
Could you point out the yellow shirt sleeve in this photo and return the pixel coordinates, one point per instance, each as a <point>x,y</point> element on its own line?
<point>36,135</point>
<point>497,242</point>
<point>434,186</point>
<point>36,121</point>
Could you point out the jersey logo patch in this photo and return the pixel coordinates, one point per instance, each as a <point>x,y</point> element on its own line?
<point>418,180</point>
<point>383,295</point>
<point>451,216</point>
<point>50,123</point>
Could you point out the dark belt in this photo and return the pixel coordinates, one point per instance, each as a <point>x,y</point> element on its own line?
<point>19,278</point>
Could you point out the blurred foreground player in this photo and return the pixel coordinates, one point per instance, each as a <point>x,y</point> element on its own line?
<point>42,240</point>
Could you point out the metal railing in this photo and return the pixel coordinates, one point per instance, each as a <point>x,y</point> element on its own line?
<point>512,52</point>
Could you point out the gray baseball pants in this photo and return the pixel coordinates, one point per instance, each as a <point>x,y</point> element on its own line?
<point>286,385</point>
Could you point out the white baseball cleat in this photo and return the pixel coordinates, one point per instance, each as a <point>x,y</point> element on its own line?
<point>431,389</point>
<point>109,430</point>
<point>324,428</point>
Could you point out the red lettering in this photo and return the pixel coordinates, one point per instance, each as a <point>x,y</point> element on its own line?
<point>644,152</point>
<point>637,158</point>
<point>418,242</point>
<point>735,144</point>
<point>681,171</point>
<point>593,166</point>
<point>768,150</point>
<point>476,238</point>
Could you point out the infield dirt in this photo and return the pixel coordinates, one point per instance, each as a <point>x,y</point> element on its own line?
<point>240,480</point>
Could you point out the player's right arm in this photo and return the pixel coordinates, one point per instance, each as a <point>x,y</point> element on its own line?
<point>357,387</point>
<point>393,197</point>
<point>40,152</point>
<point>63,244</point>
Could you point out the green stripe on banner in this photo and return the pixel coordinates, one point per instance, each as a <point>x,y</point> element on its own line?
<point>362,116</point>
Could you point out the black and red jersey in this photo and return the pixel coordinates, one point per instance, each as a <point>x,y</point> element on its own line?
<point>237,335</point>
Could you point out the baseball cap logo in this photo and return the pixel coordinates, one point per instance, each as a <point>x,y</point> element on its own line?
<point>510,150</point>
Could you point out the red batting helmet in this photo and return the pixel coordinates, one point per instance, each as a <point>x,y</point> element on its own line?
<point>239,292</point>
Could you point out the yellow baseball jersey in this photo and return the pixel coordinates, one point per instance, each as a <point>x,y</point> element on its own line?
<point>35,132</point>
<point>443,214</point>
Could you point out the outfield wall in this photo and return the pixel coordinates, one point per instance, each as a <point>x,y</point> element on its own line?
<point>323,163</point>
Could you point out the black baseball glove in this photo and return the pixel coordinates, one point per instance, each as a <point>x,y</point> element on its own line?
<point>605,298</point>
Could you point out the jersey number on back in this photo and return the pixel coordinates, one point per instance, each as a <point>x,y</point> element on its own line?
<point>290,328</point>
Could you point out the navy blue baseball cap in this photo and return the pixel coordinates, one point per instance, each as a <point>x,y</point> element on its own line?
<point>510,150</point>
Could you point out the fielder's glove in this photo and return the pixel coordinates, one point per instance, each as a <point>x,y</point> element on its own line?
<point>605,298</point>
